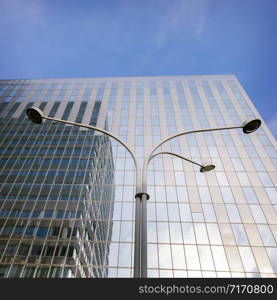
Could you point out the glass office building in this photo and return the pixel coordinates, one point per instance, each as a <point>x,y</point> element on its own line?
<point>67,206</point>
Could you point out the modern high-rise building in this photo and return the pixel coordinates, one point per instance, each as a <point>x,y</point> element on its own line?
<point>67,206</point>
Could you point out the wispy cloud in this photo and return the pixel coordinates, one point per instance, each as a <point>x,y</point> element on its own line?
<point>185,17</point>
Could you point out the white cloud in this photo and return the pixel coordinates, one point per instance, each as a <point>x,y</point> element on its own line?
<point>185,17</point>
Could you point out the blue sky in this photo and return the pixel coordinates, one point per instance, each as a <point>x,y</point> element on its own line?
<point>57,38</point>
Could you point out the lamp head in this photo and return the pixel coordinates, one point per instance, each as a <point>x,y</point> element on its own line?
<point>251,125</point>
<point>207,168</point>
<point>34,114</point>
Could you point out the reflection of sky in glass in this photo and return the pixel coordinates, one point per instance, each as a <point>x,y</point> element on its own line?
<point>176,221</point>
<point>192,257</point>
<point>214,234</point>
<point>219,258</point>
<point>178,257</point>
<point>165,256</point>
<point>272,194</point>
<point>272,253</point>
<point>247,259</point>
<point>206,259</point>
<point>188,233</point>
<point>240,234</point>
<point>266,235</point>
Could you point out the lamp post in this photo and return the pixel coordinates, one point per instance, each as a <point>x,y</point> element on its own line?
<point>140,250</point>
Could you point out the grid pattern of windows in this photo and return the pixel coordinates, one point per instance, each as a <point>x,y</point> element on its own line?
<point>67,195</point>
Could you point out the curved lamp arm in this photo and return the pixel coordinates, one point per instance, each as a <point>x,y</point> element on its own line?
<point>36,116</point>
<point>248,126</point>
<point>203,168</point>
<point>174,154</point>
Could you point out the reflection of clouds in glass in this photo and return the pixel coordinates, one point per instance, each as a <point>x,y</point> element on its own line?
<point>126,234</point>
<point>214,234</point>
<point>129,178</point>
<point>257,213</point>
<point>115,231</point>
<point>176,233</point>
<point>201,233</point>
<point>127,210</point>
<point>160,194</point>
<point>240,234</point>
<point>266,235</point>
<point>180,178</point>
<point>272,253</point>
<point>192,257</point>
<point>197,217</point>
<point>272,194</point>
<point>206,258</point>
<point>166,274</point>
<point>152,256</point>
<point>185,212</point>
<point>171,194</point>
<point>208,274</point>
<point>247,259</point>
<point>227,195</point>
<point>162,212</point>
<point>112,273</point>
<point>204,194</point>
<point>124,273</point>
<point>159,178</point>
<point>209,213</point>
<point>113,255</point>
<point>233,213</point>
<point>165,256</point>
<point>117,211</point>
<point>219,258</point>
<point>201,179</point>
<point>152,232</point>
<point>188,233</point>
<point>173,212</point>
<point>180,274</point>
<point>163,232</point>
<point>151,211</point>
<point>125,255</point>
<point>182,194</point>
<point>178,257</point>
<point>153,273</point>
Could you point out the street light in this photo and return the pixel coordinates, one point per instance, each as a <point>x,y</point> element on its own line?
<point>140,251</point>
<point>251,125</point>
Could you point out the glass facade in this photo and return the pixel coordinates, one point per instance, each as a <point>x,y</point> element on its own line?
<point>67,206</point>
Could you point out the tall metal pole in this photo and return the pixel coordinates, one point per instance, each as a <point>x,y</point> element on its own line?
<point>140,251</point>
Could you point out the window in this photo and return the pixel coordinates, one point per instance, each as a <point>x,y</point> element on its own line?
<point>258,164</point>
<point>41,232</point>
<point>243,179</point>
<point>250,195</point>
<point>233,213</point>
<point>240,235</point>
<point>272,253</point>
<point>247,259</point>
<point>266,235</point>
<point>257,214</point>
<point>204,194</point>
<point>238,166</point>
<point>272,194</point>
<point>265,179</point>
<point>222,179</point>
<point>209,212</point>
